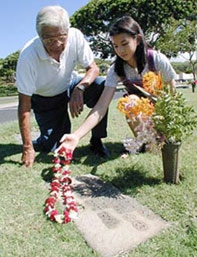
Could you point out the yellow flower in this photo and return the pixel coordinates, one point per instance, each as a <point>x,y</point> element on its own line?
<point>152,82</point>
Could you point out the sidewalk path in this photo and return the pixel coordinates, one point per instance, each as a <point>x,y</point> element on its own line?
<point>8,101</point>
<point>8,105</point>
<point>8,108</point>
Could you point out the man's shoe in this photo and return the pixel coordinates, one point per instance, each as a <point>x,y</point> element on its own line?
<point>38,147</point>
<point>98,148</point>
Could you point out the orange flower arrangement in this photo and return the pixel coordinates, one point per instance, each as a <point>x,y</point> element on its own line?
<point>152,83</point>
<point>132,106</point>
<point>143,106</point>
<point>140,110</point>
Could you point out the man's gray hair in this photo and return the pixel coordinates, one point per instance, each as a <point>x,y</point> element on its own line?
<point>52,16</point>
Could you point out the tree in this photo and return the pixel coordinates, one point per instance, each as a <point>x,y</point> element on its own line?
<point>95,18</point>
<point>8,67</point>
<point>180,38</point>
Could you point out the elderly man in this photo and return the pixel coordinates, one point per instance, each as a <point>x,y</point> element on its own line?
<point>48,84</point>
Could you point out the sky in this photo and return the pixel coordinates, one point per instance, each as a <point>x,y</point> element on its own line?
<point>18,17</point>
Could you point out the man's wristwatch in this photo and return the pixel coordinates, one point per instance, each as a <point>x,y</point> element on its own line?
<point>81,87</point>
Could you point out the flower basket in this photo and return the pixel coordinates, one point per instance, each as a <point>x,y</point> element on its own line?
<point>171,162</point>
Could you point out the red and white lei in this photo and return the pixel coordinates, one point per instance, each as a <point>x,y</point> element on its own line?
<point>60,188</point>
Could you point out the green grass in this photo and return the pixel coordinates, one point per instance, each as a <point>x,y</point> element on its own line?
<point>26,232</point>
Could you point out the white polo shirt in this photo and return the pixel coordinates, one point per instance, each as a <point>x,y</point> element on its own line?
<point>161,63</point>
<point>38,73</point>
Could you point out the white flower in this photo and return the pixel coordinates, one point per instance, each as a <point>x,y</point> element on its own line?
<point>59,218</point>
<point>65,167</point>
<point>73,214</point>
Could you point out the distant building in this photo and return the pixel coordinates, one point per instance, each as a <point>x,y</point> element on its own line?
<point>184,77</point>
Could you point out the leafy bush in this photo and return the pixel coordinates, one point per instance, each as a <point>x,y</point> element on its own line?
<point>8,90</point>
<point>173,118</point>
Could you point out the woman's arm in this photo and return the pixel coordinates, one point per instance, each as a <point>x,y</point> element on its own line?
<point>172,85</point>
<point>70,141</point>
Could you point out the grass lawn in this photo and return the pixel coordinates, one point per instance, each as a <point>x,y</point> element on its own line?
<point>26,232</point>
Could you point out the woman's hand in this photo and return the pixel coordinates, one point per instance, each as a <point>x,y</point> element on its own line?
<point>69,142</point>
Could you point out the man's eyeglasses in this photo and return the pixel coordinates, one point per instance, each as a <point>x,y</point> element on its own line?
<point>52,40</point>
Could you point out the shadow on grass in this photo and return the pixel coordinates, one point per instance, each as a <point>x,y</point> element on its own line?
<point>91,159</point>
<point>127,180</point>
<point>47,175</point>
<point>84,156</point>
<point>130,180</point>
<point>7,150</point>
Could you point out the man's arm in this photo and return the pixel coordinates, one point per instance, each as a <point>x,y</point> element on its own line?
<point>76,101</point>
<point>92,72</point>
<point>24,112</point>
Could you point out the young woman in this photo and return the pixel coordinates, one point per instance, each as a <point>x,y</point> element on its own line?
<point>131,63</point>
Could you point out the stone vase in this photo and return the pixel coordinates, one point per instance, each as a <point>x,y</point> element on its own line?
<point>171,162</point>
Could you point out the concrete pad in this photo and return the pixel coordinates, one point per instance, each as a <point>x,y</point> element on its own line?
<point>112,223</point>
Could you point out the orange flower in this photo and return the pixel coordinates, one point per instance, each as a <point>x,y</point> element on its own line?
<point>132,106</point>
<point>121,104</point>
<point>152,82</point>
<point>144,107</point>
<point>125,105</point>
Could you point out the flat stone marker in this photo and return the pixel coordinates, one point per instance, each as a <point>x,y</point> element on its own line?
<point>112,223</point>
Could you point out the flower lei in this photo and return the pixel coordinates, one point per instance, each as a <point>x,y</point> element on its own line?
<point>60,188</point>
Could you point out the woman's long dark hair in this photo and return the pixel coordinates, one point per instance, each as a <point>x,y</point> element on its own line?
<point>128,25</point>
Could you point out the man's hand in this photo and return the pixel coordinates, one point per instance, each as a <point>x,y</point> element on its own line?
<point>76,103</point>
<point>28,156</point>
